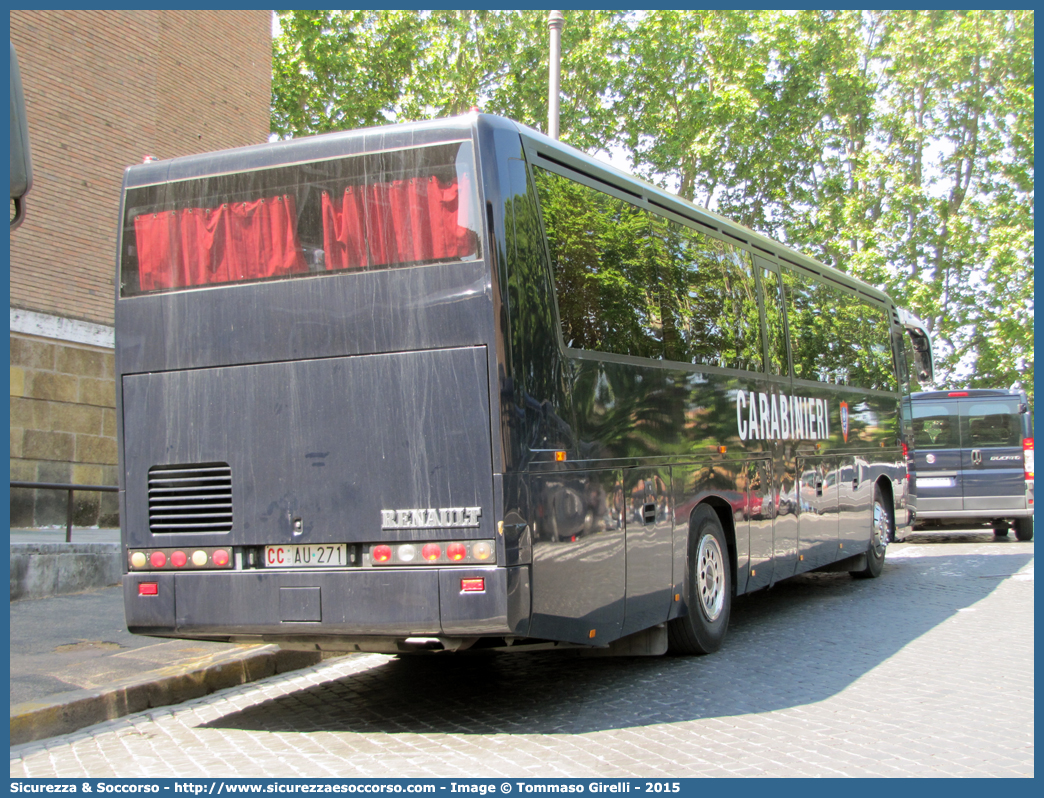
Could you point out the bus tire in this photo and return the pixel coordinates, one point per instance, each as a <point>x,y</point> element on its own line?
<point>1024,528</point>
<point>882,531</point>
<point>709,589</point>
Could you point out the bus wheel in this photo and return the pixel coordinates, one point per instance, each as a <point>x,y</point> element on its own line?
<point>702,629</point>
<point>880,534</point>
<point>1024,528</point>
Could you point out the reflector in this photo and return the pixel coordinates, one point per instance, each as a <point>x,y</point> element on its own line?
<point>148,588</point>
<point>473,584</point>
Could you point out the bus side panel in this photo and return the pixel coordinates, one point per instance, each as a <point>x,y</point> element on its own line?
<point>579,565</point>
<point>648,522</point>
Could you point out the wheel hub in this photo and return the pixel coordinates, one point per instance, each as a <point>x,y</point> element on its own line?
<point>882,529</point>
<point>710,577</point>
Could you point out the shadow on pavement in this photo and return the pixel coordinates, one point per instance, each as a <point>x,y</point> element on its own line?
<point>803,641</point>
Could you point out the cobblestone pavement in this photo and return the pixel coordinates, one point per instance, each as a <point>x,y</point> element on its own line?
<point>927,671</point>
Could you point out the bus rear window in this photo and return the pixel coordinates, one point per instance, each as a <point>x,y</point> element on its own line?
<point>380,210</point>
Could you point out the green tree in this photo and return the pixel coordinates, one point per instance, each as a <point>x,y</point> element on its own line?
<point>895,145</point>
<point>339,70</point>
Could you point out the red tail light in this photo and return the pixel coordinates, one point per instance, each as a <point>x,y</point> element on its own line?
<point>456,551</point>
<point>957,393</point>
<point>1027,457</point>
<point>381,553</point>
<point>431,552</point>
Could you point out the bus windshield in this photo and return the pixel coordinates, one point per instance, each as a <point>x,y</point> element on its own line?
<point>395,208</point>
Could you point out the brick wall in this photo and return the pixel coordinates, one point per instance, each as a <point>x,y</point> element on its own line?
<point>102,89</point>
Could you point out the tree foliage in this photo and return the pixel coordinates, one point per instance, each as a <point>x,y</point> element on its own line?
<point>894,145</point>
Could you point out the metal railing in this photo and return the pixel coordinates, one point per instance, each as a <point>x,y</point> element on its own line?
<point>69,503</point>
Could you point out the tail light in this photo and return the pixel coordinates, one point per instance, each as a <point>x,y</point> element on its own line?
<point>205,557</point>
<point>1027,457</point>
<point>461,552</point>
<point>906,459</point>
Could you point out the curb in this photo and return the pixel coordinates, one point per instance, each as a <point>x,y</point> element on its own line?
<point>76,709</point>
<point>42,570</point>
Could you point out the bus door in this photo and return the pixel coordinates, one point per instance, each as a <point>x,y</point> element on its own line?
<point>579,557</point>
<point>817,513</point>
<point>760,514</point>
<point>649,529</point>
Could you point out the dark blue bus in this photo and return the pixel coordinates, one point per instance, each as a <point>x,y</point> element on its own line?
<point>454,385</point>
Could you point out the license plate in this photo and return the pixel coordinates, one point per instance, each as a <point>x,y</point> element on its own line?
<point>307,555</point>
<point>934,482</point>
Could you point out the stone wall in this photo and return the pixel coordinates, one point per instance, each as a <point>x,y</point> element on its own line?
<point>63,429</point>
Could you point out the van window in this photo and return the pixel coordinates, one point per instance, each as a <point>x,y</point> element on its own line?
<point>935,425</point>
<point>992,424</point>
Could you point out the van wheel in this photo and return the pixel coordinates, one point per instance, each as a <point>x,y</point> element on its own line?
<point>702,629</point>
<point>1024,528</point>
<point>881,533</point>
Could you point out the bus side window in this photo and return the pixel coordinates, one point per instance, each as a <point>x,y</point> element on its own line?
<point>632,282</point>
<point>777,340</point>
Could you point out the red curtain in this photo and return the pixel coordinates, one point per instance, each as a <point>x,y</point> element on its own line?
<point>404,221</point>
<point>201,246</point>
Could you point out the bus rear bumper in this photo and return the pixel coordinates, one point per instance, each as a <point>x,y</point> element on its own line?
<point>374,602</point>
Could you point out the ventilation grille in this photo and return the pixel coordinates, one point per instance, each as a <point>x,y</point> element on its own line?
<point>190,498</point>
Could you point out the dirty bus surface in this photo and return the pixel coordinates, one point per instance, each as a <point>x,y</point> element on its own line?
<point>455,386</point>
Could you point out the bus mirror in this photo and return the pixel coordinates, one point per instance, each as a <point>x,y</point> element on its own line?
<point>922,346</point>
<point>21,162</point>
<point>924,362</point>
